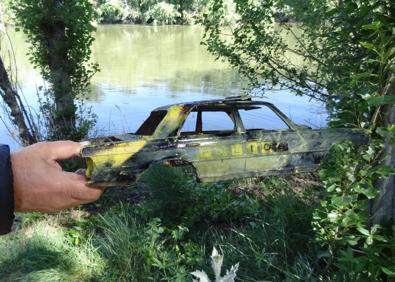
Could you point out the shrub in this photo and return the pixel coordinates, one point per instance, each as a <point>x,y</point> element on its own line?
<point>115,11</point>
<point>164,13</point>
<point>360,250</point>
<point>178,199</point>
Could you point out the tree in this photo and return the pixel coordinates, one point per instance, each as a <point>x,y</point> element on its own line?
<point>19,116</point>
<point>60,36</point>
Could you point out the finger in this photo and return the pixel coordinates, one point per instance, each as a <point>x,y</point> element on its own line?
<point>60,150</point>
<point>56,165</point>
<point>80,190</point>
<point>86,194</point>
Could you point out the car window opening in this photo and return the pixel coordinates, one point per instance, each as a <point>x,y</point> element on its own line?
<point>261,118</point>
<point>208,121</point>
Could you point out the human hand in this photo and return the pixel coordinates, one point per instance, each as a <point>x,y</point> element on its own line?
<point>40,184</point>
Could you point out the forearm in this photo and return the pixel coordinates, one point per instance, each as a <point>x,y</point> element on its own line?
<point>6,191</point>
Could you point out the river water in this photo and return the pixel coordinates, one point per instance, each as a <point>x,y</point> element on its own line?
<point>143,67</point>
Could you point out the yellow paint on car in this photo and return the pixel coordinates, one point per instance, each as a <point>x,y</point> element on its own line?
<point>114,156</point>
<point>170,122</point>
<point>237,149</point>
<point>267,147</point>
<point>205,153</point>
<point>253,147</point>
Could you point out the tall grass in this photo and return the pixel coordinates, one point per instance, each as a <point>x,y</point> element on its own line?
<point>262,224</point>
<point>44,252</point>
<point>173,232</point>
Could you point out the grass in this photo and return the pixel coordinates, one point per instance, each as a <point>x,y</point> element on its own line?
<point>43,251</point>
<point>167,228</point>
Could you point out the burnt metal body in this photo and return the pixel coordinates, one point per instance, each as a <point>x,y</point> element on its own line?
<point>211,155</point>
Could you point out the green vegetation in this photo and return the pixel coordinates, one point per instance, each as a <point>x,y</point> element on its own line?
<point>362,251</point>
<point>45,251</point>
<point>152,11</point>
<point>275,228</point>
<point>262,224</point>
<point>348,61</point>
<point>60,36</point>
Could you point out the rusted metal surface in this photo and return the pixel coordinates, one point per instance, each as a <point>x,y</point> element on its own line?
<point>212,155</point>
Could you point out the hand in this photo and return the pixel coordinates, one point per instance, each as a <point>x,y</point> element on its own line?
<point>41,185</point>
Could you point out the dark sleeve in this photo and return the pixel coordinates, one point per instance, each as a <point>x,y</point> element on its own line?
<point>6,191</point>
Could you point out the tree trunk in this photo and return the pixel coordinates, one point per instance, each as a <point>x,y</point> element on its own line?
<point>17,111</point>
<point>65,109</point>
<point>383,207</point>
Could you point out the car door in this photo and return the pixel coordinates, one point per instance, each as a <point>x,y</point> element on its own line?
<point>210,140</point>
<point>275,145</point>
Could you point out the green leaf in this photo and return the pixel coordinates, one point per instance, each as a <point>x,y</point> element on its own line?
<point>388,271</point>
<point>341,201</point>
<point>369,240</point>
<point>386,132</point>
<point>363,231</point>
<point>372,26</point>
<point>381,100</point>
<point>370,193</point>
<point>367,45</point>
<point>352,242</point>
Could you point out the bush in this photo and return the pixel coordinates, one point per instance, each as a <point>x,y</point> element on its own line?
<point>179,199</point>
<point>164,13</point>
<point>360,250</point>
<point>115,11</point>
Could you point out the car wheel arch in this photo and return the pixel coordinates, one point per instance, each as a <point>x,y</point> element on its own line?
<point>181,163</point>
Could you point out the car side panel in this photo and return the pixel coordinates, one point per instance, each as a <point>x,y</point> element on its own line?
<point>214,157</point>
<point>277,152</point>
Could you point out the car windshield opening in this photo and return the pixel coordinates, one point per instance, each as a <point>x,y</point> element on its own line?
<point>261,118</point>
<point>151,123</point>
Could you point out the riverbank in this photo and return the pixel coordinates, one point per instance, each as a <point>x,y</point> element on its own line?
<point>156,12</point>
<point>170,12</point>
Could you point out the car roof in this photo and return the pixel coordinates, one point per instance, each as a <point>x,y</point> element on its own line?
<point>238,102</point>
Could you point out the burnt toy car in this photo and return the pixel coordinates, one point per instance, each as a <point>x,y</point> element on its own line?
<point>217,140</point>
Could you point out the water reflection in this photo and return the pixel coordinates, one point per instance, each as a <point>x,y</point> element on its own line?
<point>135,56</point>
